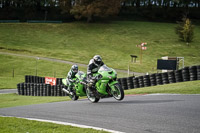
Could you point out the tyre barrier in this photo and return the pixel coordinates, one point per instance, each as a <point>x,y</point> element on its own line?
<point>165,78</point>
<point>198,72</point>
<point>178,76</point>
<point>186,74</point>
<point>136,82</point>
<point>147,81</point>
<point>193,72</point>
<point>33,89</point>
<point>124,83</point>
<point>130,83</point>
<point>35,85</point>
<point>153,79</point>
<point>37,79</point>
<point>171,77</point>
<point>159,79</point>
<point>141,81</point>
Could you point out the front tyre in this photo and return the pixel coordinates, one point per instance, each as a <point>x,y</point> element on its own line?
<point>74,97</point>
<point>93,99</point>
<point>117,92</point>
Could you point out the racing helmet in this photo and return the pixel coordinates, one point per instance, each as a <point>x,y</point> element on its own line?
<point>97,59</point>
<point>74,68</point>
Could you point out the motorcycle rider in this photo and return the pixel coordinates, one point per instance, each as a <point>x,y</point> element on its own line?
<point>93,67</point>
<point>71,74</point>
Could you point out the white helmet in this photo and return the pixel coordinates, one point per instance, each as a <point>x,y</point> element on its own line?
<point>97,59</point>
<point>74,68</point>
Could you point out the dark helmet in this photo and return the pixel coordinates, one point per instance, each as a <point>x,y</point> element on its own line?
<point>97,59</point>
<point>74,68</point>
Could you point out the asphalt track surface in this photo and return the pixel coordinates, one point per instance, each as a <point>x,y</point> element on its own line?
<point>135,114</point>
<point>7,91</point>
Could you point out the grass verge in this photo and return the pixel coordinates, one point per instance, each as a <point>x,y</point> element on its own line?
<point>21,66</point>
<point>114,41</point>
<point>17,125</point>
<point>11,100</point>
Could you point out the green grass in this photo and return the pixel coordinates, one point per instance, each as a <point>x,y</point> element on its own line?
<point>190,87</point>
<point>79,42</point>
<point>114,41</point>
<point>12,100</point>
<point>17,125</point>
<point>27,66</point>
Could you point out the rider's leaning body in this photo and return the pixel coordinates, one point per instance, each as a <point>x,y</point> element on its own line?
<point>71,74</point>
<point>93,67</point>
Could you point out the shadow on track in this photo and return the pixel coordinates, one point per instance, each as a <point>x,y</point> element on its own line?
<point>137,102</point>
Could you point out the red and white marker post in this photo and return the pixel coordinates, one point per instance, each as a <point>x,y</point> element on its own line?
<point>142,46</point>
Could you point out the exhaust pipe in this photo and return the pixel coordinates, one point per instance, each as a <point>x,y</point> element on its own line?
<point>67,91</point>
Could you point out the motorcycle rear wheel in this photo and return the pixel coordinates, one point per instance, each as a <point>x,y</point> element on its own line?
<point>93,99</point>
<point>118,94</point>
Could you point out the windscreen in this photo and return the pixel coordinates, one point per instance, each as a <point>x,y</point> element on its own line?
<point>105,68</point>
<point>80,73</point>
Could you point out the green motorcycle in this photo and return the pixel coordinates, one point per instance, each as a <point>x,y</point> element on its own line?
<point>79,86</point>
<point>104,85</point>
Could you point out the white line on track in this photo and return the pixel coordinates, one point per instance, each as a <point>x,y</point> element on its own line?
<point>69,124</point>
<point>162,94</point>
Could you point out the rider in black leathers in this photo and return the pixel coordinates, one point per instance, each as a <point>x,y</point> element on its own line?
<point>93,67</point>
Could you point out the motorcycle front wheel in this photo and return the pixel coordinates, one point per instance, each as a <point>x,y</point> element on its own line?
<point>74,97</point>
<point>93,99</point>
<point>118,92</point>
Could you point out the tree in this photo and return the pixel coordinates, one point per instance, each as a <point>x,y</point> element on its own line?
<point>92,8</point>
<point>185,30</point>
<point>65,5</point>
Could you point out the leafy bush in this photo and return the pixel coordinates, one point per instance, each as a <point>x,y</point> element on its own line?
<point>185,30</point>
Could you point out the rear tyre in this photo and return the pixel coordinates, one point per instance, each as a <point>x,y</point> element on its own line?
<point>118,93</point>
<point>91,98</point>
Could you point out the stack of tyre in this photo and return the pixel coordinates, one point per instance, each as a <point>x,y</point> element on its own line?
<point>153,79</point>
<point>34,79</point>
<point>31,89</point>
<point>147,81</point>
<point>35,86</point>
<point>178,76</point>
<point>159,79</point>
<point>171,77</point>
<point>193,73</point>
<point>130,83</point>
<point>124,83</point>
<point>136,82</point>
<point>165,79</point>
<point>186,74</point>
<point>198,72</point>
<point>141,81</point>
